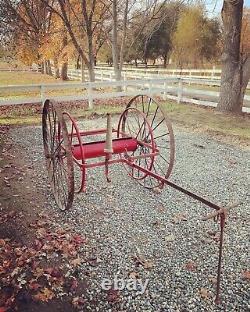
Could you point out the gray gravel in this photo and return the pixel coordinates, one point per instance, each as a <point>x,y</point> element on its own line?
<point>122,220</point>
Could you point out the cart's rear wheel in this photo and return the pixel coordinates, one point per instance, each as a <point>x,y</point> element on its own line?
<point>163,138</point>
<point>58,155</point>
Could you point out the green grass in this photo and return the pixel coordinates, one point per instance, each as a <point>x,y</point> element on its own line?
<point>22,78</point>
<point>209,120</point>
<point>188,116</point>
<point>209,88</point>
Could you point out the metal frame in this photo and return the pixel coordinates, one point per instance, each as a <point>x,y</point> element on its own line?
<point>124,144</point>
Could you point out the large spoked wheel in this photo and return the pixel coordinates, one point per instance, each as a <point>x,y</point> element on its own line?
<point>75,140</point>
<point>163,138</point>
<point>133,123</point>
<point>58,155</point>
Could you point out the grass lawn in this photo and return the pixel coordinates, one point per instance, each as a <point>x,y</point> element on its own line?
<point>209,88</point>
<point>20,78</point>
<point>194,118</point>
<point>25,78</point>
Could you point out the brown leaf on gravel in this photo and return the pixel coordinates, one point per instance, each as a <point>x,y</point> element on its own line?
<point>160,209</point>
<point>33,285</point>
<point>191,266</point>
<point>147,264</point>
<point>76,262</point>
<point>38,272</point>
<point>79,239</point>
<point>204,293</point>
<point>113,295</point>
<point>179,217</point>
<point>78,302</point>
<point>44,295</point>
<point>213,280</point>
<point>54,272</point>
<point>245,275</point>
<point>74,285</point>
<point>133,275</point>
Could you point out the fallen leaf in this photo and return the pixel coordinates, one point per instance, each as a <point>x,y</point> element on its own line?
<point>33,285</point>
<point>204,293</point>
<point>74,285</point>
<point>191,266</point>
<point>160,209</point>
<point>179,217</point>
<point>213,280</point>
<point>169,238</point>
<point>147,264</point>
<point>133,275</point>
<point>2,242</point>
<point>44,295</point>
<point>78,302</point>
<point>246,275</point>
<point>113,295</point>
<point>76,262</point>
<point>79,239</point>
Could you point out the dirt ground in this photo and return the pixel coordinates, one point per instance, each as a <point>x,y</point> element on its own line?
<point>35,254</point>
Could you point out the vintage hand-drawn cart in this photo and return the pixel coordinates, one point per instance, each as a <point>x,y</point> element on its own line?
<point>143,141</point>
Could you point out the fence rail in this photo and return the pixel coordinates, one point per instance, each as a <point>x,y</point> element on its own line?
<point>206,77</point>
<point>172,88</point>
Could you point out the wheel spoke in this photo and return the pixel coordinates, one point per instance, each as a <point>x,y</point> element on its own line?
<point>56,141</point>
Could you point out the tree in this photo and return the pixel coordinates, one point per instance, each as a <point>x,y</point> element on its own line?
<point>235,73</point>
<point>83,20</point>
<point>28,22</point>
<point>196,38</point>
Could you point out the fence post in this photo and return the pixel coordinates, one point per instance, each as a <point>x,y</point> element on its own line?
<point>90,97</point>
<point>180,87</point>
<point>101,75</point>
<point>110,76</point>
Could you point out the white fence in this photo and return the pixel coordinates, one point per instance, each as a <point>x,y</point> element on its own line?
<point>107,73</point>
<point>206,77</point>
<point>172,88</point>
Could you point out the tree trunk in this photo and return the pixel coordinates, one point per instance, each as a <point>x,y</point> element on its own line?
<point>56,69</point>
<point>124,35</point>
<point>42,68</point>
<point>115,42</point>
<point>91,64</point>
<point>165,60</point>
<point>64,71</point>
<point>82,71</point>
<point>245,79</point>
<point>78,66</point>
<point>48,68</point>
<point>231,74</point>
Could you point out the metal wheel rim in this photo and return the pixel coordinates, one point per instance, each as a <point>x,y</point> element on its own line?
<point>143,103</point>
<point>59,160</point>
<point>143,133</point>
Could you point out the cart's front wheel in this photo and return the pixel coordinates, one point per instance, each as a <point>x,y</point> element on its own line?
<point>58,155</point>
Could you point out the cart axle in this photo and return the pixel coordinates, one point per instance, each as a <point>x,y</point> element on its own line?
<point>97,149</point>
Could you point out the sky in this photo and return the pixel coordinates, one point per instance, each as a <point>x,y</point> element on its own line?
<point>214,6</point>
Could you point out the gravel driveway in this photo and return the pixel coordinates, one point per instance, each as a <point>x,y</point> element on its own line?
<point>133,232</point>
